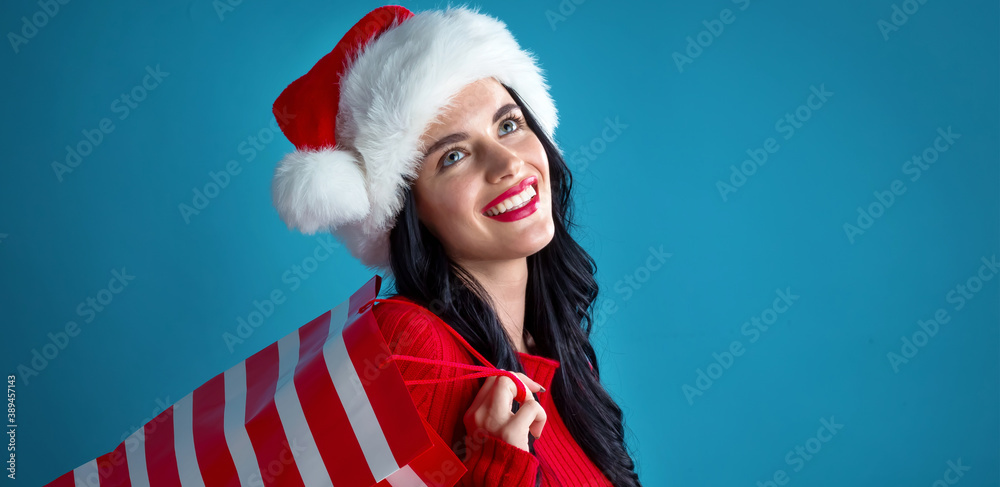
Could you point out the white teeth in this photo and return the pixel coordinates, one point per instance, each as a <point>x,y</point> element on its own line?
<point>513,202</point>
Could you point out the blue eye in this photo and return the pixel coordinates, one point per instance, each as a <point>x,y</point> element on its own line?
<point>509,122</point>
<point>448,156</point>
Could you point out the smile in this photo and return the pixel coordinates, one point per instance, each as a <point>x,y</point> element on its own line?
<point>513,203</point>
<point>504,202</point>
<point>516,207</point>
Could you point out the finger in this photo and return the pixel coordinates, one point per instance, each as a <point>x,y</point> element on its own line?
<point>502,397</point>
<point>505,397</point>
<point>532,417</point>
<point>530,388</point>
<point>529,383</point>
<point>485,393</point>
<point>525,381</point>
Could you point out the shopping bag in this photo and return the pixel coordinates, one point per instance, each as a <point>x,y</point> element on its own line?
<point>316,408</point>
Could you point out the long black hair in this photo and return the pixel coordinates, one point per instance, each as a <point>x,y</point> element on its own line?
<point>560,292</point>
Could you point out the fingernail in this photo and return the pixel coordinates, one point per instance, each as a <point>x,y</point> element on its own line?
<point>540,388</point>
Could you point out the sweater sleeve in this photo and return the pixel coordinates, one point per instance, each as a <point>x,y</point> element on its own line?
<point>490,461</point>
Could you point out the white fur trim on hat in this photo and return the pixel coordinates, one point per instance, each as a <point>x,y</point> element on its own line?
<point>368,246</point>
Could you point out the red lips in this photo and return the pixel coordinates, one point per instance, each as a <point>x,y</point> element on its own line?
<point>516,189</point>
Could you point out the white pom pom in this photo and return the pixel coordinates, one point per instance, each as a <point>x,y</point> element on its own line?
<point>323,189</point>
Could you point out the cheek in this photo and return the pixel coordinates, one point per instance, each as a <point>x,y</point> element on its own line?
<point>535,152</point>
<point>445,205</point>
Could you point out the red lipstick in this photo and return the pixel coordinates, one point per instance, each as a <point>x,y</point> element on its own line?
<point>516,189</point>
<point>516,214</point>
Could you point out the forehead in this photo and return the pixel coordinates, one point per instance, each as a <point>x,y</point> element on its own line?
<point>477,100</point>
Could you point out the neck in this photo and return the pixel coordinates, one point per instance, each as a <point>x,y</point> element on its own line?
<point>506,282</point>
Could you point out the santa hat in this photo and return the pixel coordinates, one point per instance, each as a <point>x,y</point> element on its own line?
<point>357,116</point>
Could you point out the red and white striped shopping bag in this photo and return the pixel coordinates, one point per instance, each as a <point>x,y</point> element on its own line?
<point>313,409</point>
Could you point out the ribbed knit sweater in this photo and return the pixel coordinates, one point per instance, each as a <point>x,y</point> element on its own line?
<point>491,462</point>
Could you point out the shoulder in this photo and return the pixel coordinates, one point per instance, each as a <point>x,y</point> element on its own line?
<point>411,329</point>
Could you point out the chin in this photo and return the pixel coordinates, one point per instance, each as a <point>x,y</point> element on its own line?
<point>543,242</point>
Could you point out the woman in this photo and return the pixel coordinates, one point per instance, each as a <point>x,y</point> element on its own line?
<point>437,119</point>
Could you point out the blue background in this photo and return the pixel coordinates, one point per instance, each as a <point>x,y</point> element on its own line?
<point>652,183</point>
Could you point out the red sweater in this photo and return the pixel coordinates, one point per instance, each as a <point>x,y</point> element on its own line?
<point>416,331</point>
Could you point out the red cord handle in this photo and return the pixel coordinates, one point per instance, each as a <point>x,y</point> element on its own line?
<point>483,371</point>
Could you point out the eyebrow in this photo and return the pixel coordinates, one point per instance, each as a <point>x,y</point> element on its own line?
<point>464,135</point>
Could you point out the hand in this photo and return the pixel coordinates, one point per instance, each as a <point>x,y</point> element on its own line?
<point>491,411</point>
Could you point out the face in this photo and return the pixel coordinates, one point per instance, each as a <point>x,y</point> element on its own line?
<point>478,150</point>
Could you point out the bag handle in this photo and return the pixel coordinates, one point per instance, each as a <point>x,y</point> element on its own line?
<point>483,371</point>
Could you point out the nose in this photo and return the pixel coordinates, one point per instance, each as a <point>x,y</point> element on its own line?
<point>502,162</point>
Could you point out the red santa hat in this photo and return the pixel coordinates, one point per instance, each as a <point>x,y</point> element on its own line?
<point>357,116</point>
